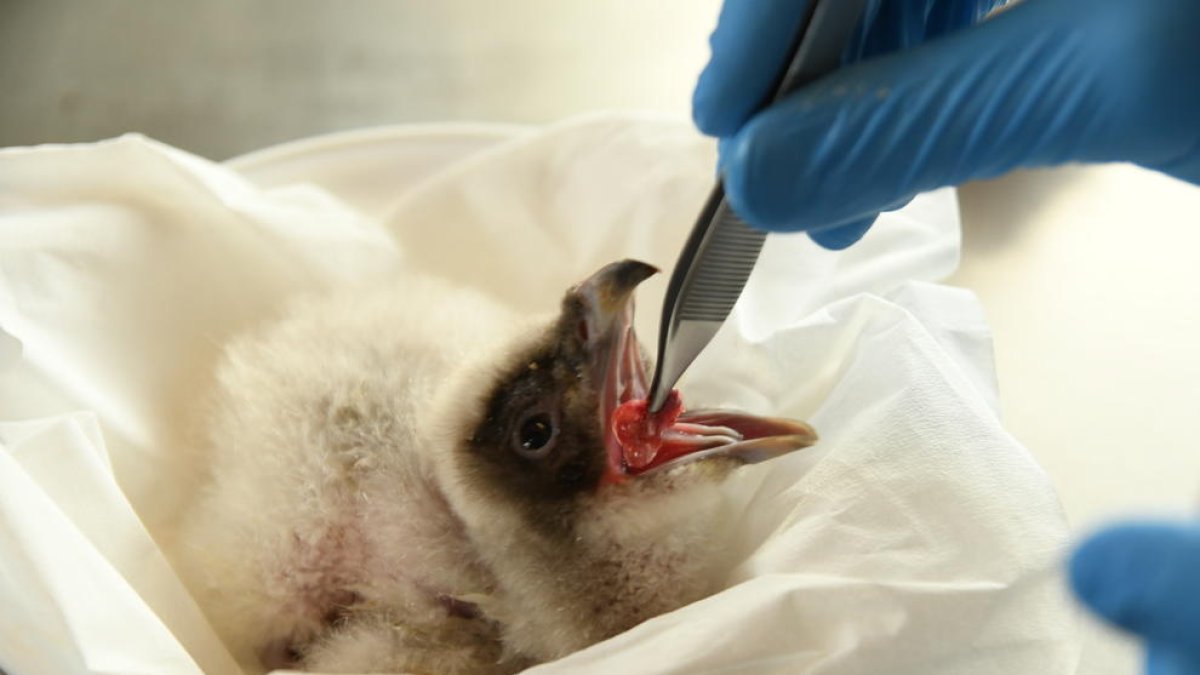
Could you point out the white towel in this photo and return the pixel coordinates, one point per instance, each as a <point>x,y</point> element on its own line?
<point>918,537</point>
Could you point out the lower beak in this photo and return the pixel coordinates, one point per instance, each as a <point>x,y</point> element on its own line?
<point>687,436</point>
<point>638,442</point>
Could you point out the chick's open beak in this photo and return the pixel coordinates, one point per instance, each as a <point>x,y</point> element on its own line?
<point>636,441</point>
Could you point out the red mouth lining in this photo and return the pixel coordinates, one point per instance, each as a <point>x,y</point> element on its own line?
<point>624,379</point>
<point>636,440</point>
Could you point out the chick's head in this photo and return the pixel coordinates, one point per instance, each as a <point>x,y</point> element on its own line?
<point>591,514</point>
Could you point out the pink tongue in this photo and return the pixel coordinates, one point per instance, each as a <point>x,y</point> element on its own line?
<point>640,432</point>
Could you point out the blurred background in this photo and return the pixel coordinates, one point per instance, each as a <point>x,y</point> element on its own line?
<point>1087,275</point>
<point>223,77</point>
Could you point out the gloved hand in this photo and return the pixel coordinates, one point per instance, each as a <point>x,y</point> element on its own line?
<point>1145,578</point>
<point>933,98</point>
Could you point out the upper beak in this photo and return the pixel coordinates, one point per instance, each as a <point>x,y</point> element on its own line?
<point>608,296</point>
<point>617,368</point>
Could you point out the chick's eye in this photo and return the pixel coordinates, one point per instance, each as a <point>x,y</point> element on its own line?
<point>535,437</point>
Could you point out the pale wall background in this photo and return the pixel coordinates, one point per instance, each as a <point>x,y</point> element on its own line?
<point>1089,276</point>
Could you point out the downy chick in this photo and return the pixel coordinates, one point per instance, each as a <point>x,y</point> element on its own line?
<point>419,480</point>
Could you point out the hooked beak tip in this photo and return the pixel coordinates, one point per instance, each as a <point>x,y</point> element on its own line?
<point>610,288</point>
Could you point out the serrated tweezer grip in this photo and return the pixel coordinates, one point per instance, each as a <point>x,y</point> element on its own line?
<point>721,251</point>
<point>729,251</point>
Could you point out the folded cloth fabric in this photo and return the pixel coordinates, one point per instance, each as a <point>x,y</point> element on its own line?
<point>918,537</point>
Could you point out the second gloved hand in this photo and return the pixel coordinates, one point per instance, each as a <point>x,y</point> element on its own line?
<point>1145,578</point>
<point>937,101</point>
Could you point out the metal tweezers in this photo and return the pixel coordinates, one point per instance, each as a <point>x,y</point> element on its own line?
<point>721,251</point>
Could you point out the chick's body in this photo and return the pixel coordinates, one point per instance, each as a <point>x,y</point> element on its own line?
<point>341,527</point>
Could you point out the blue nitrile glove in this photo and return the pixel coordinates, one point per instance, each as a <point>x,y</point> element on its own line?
<point>1145,578</point>
<point>937,99</point>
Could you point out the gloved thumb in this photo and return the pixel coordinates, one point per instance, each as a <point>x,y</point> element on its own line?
<point>1144,578</point>
<point>1043,83</point>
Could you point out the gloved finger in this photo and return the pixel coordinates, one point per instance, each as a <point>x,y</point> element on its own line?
<point>945,16</point>
<point>1143,578</point>
<point>752,39</point>
<point>1167,661</point>
<point>1022,89</point>
<point>892,25</point>
<point>749,48</point>
<point>839,237</point>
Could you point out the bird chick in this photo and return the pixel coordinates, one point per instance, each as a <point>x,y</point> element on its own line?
<point>419,480</point>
